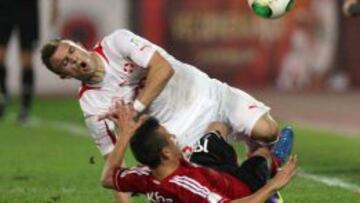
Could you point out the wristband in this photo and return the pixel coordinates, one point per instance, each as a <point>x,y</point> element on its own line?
<point>138,106</point>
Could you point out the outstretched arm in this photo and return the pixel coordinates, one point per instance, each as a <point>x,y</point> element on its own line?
<point>123,117</point>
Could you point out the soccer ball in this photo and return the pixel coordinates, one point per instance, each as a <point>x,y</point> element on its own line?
<point>271,8</point>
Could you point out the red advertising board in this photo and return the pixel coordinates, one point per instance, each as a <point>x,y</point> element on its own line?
<point>225,39</point>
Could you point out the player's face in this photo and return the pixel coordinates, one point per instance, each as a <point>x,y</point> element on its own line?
<point>173,146</point>
<point>72,61</point>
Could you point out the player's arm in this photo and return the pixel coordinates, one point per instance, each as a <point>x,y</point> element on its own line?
<point>159,73</point>
<point>145,55</point>
<point>124,120</point>
<point>281,179</point>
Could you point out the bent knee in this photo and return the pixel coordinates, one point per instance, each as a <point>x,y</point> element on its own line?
<point>265,130</point>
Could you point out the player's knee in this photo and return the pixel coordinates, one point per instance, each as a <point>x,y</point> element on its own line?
<point>26,58</point>
<point>265,130</point>
<point>221,127</point>
<point>269,134</point>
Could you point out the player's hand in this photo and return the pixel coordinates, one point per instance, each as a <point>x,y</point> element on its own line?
<point>111,114</point>
<point>285,174</point>
<point>123,116</point>
<point>346,6</point>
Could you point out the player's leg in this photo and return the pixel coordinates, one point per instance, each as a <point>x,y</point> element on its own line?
<point>214,152</point>
<point>256,170</point>
<point>278,156</point>
<point>251,118</point>
<point>265,130</point>
<point>3,89</point>
<point>28,30</point>
<point>283,147</point>
<point>248,116</point>
<point>5,32</point>
<point>27,85</point>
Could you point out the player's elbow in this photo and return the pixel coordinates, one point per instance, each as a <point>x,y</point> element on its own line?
<point>161,66</point>
<point>107,180</point>
<point>168,70</point>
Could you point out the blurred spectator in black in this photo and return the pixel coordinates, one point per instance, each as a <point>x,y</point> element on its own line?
<point>22,16</point>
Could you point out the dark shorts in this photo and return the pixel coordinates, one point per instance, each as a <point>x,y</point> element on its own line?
<point>214,152</point>
<point>20,15</point>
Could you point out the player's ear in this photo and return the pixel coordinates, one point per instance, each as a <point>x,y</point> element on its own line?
<point>166,152</point>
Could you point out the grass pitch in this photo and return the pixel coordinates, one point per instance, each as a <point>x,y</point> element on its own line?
<point>52,159</point>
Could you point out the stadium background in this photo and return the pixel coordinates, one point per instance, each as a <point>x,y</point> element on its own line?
<point>305,66</point>
<point>220,37</point>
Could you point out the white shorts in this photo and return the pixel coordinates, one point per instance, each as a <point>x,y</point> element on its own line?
<point>240,110</point>
<point>232,106</point>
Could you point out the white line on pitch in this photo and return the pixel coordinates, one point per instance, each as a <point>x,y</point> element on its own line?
<point>72,128</point>
<point>330,181</point>
<point>37,122</point>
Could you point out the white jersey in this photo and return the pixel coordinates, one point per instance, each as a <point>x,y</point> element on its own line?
<point>186,106</point>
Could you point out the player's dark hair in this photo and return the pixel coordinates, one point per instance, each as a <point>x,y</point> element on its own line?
<point>47,51</point>
<point>147,143</point>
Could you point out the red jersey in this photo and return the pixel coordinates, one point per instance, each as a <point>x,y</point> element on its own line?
<point>188,183</point>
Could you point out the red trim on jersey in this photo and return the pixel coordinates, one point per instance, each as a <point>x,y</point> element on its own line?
<point>99,49</point>
<point>253,106</point>
<point>110,133</point>
<point>84,88</point>
<point>187,149</point>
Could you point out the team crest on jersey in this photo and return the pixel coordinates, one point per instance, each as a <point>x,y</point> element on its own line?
<point>158,198</point>
<point>135,41</point>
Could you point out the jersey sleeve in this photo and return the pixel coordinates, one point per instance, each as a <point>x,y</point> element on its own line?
<point>188,190</point>
<point>132,46</point>
<point>132,180</point>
